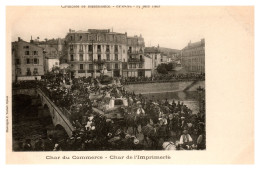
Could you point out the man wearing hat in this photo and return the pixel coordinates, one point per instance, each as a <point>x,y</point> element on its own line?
<point>185,139</point>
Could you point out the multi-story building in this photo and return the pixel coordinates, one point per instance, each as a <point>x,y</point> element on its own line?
<point>52,53</point>
<point>193,57</point>
<point>52,50</point>
<point>28,60</point>
<point>155,54</point>
<point>95,51</point>
<point>134,65</point>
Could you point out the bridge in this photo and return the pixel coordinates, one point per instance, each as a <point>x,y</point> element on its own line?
<point>60,118</point>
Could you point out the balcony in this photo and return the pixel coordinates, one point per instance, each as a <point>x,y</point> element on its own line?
<point>99,61</point>
<point>81,71</point>
<point>135,60</point>
<point>133,52</point>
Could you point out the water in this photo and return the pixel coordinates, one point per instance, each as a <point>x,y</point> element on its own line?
<point>189,98</point>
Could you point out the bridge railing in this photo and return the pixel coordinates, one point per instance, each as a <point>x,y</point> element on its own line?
<point>64,111</point>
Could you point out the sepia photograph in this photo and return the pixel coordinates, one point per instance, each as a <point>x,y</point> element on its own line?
<point>98,89</point>
<point>112,78</point>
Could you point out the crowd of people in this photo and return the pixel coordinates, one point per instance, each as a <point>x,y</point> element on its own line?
<point>145,124</point>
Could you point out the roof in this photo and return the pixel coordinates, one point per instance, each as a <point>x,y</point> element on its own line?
<point>27,43</point>
<point>94,31</point>
<point>195,44</point>
<point>51,41</point>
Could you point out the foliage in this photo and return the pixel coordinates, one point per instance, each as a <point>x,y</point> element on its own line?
<point>164,68</point>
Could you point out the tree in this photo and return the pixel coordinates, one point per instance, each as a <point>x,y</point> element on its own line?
<point>161,68</point>
<point>169,66</point>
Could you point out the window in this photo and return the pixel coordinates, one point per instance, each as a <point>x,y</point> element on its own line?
<point>108,67</point>
<point>80,37</point>
<point>99,48</point>
<point>130,49</point>
<point>134,66</point>
<point>116,48</point>
<point>81,48</point>
<point>27,53</point>
<point>71,38</point>
<point>35,52</point>
<point>140,65</point>
<point>155,57</point>
<point>130,65</point>
<point>27,61</point>
<point>91,66</point>
<point>18,71</point>
<point>90,48</point>
<point>28,72</point>
<point>81,66</point>
<point>108,57</point>
<point>91,58</point>
<point>35,61</point>
<point>116,66</point>
<point>124,51</point>
<point>124,65</point>
<point>107,48</point>
<point>116,57</point>
<point>26,47</point>
<point>71,57</point>
<point>35,71</point>
<point>17,61</point>
<point>99,57</point>
<point>71,47</point>
<point>81,57</point>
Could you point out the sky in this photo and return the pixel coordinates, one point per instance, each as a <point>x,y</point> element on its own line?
<point>171,27</point>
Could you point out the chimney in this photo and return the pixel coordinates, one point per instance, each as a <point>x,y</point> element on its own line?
<point>202,41</point>
<point>19,39</point>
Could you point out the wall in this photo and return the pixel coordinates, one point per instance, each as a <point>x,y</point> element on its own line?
<point>52,63</point>
<point>163,87</point>
<point>19,53</point>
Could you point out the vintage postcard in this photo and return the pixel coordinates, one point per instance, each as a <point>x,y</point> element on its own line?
<point>129,84</point>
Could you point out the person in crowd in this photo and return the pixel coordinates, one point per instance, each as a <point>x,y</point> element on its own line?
<point>186,140</point>
<point>157,122</point>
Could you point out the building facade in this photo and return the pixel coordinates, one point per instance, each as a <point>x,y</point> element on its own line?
<point>193,57</point>
<point>95,51</point>
<point>28,60</point>
<point>134,65</point>
<point>155,54</point>
<point>53,50</point>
